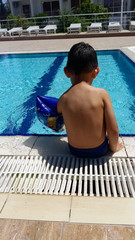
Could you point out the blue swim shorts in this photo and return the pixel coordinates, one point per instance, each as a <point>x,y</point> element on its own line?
<point>90,152</point>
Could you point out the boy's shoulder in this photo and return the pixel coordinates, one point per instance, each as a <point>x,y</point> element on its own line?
<point>102,93</point>
<point>99,90</point>
<point>63,96</point>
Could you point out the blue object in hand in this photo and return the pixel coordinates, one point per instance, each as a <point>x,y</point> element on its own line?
<point>46,108</point>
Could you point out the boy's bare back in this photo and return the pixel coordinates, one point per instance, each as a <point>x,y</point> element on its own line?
<point>83,112</point>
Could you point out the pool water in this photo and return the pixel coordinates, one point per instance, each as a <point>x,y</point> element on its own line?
<point>24,76</point>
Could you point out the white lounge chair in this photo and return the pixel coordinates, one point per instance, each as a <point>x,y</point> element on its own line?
<point>74,27</point>
<point>3,31</point>
<point>95,27</point>
<point>34,29</point>
<point>17,30</point>
<point>114,26</point>
<point>50,29</point>
<point>132,25</point>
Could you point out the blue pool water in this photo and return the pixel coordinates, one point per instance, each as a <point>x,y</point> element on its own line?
<point>24,76</point>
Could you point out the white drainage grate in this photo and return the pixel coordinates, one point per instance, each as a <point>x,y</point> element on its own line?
<point>66,175</point>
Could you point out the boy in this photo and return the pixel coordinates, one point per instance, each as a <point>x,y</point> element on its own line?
<point>87,111</point>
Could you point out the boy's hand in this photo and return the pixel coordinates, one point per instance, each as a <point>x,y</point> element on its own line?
<point>63,128</point>
<point>118,147</point>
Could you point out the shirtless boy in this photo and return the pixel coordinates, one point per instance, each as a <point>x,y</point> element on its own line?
<point>87,111</point>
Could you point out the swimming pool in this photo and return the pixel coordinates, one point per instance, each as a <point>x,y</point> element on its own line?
<point>24,76</point>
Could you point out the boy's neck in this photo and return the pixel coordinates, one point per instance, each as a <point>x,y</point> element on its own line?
<point>76,79</point>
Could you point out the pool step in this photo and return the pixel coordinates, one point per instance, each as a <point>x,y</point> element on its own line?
<point>67,175</point>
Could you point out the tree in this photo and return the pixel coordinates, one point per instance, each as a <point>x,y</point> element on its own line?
<point>66,18</point>
<point>17,21</point>
<point>87,7</point>
<point>40,19</point>
<point>4,11</point>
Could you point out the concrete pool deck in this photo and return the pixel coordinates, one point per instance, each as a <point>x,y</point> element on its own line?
<point>56,45</point>
<point>64,217</point>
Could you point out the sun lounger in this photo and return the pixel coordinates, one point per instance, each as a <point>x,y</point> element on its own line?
<point>50,29</point>
<point>132,25</point>
<point>74,27</point>
<point>3,31</point>
<point>32,29</point>
<point>114,26</point>
<point>95,27</point>
<point>17,30</point>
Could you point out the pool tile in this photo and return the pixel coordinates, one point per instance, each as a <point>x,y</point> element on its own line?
<point>121,153</point>
<point>84,232</point>
<point>129,141</point>
<point>49,230</point>
<point>49,145</point>
<point>130,151</point>
<point>3,198</point>
<point>103,210</point>
<point>121,233</point>
<point>29,230</point>
<point>13,229</point>
<point>16,145</point>
<point>37,207</point>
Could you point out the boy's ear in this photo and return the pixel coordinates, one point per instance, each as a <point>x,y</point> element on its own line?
<point>95,72</point>
<point>67,72</point>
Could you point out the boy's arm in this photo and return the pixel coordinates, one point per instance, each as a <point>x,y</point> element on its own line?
<point>59,108</point>
<point>111,124</point>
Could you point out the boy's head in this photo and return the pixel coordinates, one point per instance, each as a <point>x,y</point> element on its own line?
<point>82,58</point>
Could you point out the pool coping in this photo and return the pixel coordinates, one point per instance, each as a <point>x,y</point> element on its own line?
<point>125,50</point>
<point>70,209</point>
<point>42,146</point>
<point>128,53</point>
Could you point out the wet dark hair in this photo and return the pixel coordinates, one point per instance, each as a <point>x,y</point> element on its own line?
<point>81,58</point>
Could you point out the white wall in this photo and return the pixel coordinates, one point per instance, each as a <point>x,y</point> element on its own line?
<point>128,5</point>
<point>19,9</point>
<point>98,1</point>
<point>40,6</point>
<point>65,5</point>
<point>24,2</point>
<point>15,11</point>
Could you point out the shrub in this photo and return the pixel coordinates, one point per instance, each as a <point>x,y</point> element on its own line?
<point>87,7</point>
<point>39,20</point>
<point>66,18</point>
<point>17,21</point>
